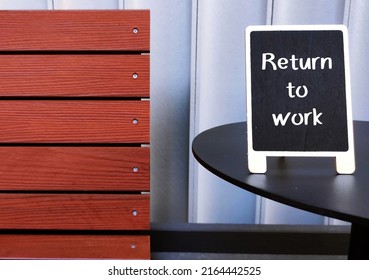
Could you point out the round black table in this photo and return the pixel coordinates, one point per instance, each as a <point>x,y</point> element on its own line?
<point>309,183</point>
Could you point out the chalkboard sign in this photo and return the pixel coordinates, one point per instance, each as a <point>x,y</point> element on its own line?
<point>298,94</point>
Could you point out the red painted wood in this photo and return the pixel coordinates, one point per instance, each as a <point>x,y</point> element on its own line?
<point>74,75</point>
<point>57,246</point>
<point>75,168</point>
<point>74,211</point>
<point>74,121</point>
<point>75,30</point>
<point>74,54</point>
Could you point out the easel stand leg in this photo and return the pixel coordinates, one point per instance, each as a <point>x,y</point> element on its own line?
<point>257,163</point>
<point>345,164</point>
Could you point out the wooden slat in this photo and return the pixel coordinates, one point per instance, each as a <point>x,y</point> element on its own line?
<point>74,30</point>
<point>46,246</point>
<point>74,75</point>
<point>74,211</point>
<point>75,168</point>
<point>74,121</point>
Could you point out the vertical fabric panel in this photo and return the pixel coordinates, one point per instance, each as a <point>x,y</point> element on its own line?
<point>299,12</point>
<point>218,97</point>
<point>276,213</point>
<point>308,12</point>
<point>85,4</point>
<point>24,5</point>
<point>358,22</point>
<point>170,95</point>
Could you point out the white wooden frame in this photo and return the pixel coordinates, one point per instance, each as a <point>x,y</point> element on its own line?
<point>257,162</point>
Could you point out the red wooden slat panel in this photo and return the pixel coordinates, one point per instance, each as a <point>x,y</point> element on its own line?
<point>74,211</point>
<point>43,246</point>
<point>74,75</point>
<point>75,30</point>
<point>74,121</point>
<point>75,168</point>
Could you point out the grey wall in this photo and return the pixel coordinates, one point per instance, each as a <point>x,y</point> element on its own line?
<point>218,97</point>
<point>170,97</point>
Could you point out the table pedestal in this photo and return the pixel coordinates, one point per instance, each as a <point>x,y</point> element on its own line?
<point>359,242</point>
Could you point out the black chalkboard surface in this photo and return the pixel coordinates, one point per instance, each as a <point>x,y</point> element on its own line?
<point>298,94</point>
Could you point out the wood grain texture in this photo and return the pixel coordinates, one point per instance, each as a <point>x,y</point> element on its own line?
<point>57,187</point>
<point>74,75</point>
<point>74,211</point>
<point>75,168</point>
<point>75,30</point>
<point>57,246</point>
<point>74,121</point>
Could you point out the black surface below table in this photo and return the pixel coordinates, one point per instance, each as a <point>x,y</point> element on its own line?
<point>308,183</point>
